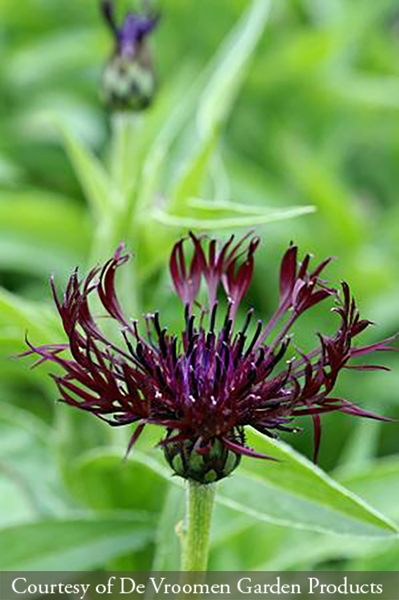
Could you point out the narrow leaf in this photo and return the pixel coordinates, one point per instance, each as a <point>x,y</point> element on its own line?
<point>294,492</point>
<point>103,481</point>
<point>91,174</point>
<point>222,218</point>
<point>28,316</point>
<point>229,67</point>
<point>167,546</point>
<point>291,492</point>
<point>72,544</point>
<point>378,483</point>
<point>225,75</point>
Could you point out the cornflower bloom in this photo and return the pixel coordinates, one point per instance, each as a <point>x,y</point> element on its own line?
<point>219,376</point>
<point>129,81</point>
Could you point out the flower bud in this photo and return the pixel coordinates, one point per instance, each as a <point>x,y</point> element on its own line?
<point>128,85</point>
<point>204,467</point>
<point>129,80</point>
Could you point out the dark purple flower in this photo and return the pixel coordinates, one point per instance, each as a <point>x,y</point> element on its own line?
<point>131,34</point>
<point>129,81</point>
<point>207,384</point>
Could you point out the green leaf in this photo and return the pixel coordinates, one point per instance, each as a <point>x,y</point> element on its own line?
<point>38,259</point>
<point>77,433</point>
<point>378,484</point>
<point>43,59</point>
<point>159,227</point>
<point>95,181</point>
<point>385,560</point>
<point>365,92</point>
<point>29,479</point>
<point>15,507</point>
<point>361,446</point>
<point>105,481</point>
<point>296,493</point>
<point>41,233</point>
<point>181,101</point>
<point>44,218</point>
<point>192,176</point>
<point>229,65</point>
<point>206,103</point>
<point>225,215</point>
<point>291,492</point>
<point>72,544</point>
<point>167,543</point>
<point>303,552</point>
<point>246,549</point>
<point>10,173</point>
<point>30,317</point>
<point>224,78</point>
<point>319,182</point>
<point>205,209</point>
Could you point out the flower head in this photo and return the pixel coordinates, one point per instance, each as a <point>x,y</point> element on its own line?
<point>129,81</point>
<point>204,386</point>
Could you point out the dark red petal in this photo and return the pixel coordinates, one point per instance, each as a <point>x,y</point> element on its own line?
<point>317,436</point>
<point>377,347</point>
<point>321,267</point>
<point>367,367</point>
<point>352,409</point>
<point>138,431</point>
<point>244,451</point>
<point>303,270</point>
<point>187,281</point>
<point>313,299</point>
<point>288,271</point>
<point>106,287</point>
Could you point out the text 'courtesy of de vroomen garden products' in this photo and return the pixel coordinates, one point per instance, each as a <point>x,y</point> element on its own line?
<point>232,584</point>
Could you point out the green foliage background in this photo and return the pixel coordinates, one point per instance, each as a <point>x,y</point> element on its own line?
<point>308,116</point>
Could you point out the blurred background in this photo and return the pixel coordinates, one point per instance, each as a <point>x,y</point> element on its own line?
<point>313,120</point>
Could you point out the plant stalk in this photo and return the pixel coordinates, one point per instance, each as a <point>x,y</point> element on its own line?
<point>197,529</point>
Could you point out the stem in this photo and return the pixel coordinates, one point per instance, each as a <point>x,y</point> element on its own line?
<point>196,537</point>
<point>125,153</point>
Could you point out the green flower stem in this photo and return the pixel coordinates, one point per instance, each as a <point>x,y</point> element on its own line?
<point>122,222</point>
<point>125,151</point>
<point>197,529</point>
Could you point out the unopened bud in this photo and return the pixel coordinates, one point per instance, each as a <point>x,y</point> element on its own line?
<point>202,466</point>
<point>129,80</point>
